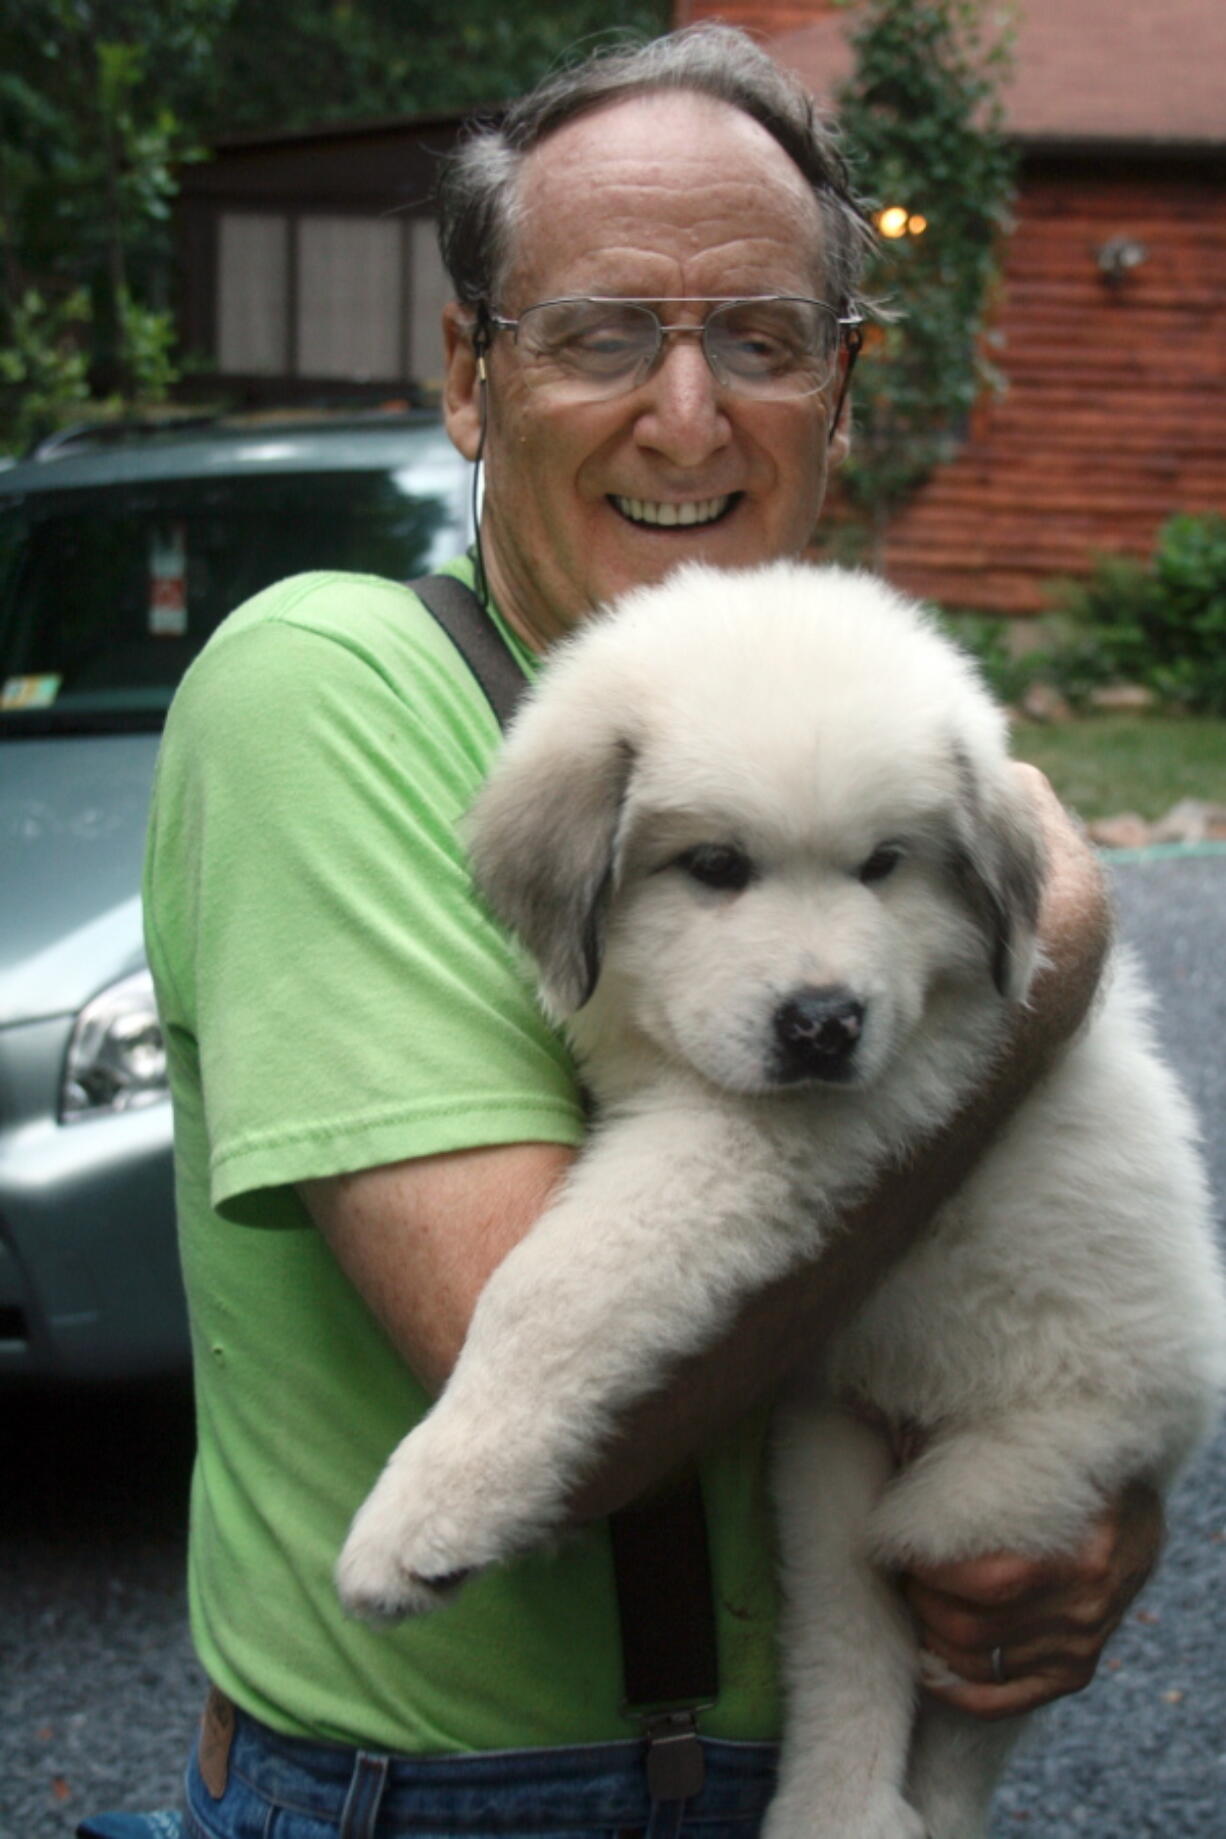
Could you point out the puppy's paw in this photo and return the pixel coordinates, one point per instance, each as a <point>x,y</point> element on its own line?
<point>376,1589</point>
<point>880,1814</point>
<point>385,1573</point>
<point>414,1540</point>
<point>933,1671</point>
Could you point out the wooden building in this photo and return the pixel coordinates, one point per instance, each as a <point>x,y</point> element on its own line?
<point>309,267</point>
<point>1112,322</point>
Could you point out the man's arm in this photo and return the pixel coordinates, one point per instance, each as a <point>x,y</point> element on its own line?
<point>420,1239</point>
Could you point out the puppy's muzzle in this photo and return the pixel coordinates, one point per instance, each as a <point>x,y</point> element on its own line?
<point>817,1032</point>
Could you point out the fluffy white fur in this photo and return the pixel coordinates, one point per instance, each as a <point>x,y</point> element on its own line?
<point>1057,1332</point>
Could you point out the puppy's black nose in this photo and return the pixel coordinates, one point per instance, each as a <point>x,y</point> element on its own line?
<point>817,1032</point>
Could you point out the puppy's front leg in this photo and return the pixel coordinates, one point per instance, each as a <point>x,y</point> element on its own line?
<point>849,1649</point>
<point>640,1261</point>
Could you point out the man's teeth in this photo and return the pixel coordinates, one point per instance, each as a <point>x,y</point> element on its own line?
<point>698,511</point>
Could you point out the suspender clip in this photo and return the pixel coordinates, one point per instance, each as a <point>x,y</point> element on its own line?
<point>676,1767</point>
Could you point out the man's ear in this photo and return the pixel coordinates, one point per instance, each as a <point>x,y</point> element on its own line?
<point>462,385</point>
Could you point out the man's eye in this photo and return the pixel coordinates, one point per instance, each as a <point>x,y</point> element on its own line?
<point>761,342</point>
<point>600,355</point>
<point>601,341</point>
<point>717,865</point>
<point>610,342</point>
<point>770,348</point>
<point>883,861</point>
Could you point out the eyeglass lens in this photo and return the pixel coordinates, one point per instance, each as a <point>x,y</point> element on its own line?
<point>780,347</point>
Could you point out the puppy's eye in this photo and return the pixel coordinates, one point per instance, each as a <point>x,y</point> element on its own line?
<point>717,865</point>
<point>881,863</point>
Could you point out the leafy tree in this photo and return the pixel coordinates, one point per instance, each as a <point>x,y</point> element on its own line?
<point>349,60</point>
<point>90,130</point>
<point>924,129</point>
<point>43,368</point>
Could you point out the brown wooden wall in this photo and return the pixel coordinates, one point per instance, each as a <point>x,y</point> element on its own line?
<point>763,18</point>
<point>1115,412</point>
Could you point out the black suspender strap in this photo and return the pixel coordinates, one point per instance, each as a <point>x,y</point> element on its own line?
<point>665,1606</point>
<point>476,638</point>
<point>661,1561</point>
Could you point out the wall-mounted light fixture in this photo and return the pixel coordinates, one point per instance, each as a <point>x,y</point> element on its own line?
<point>1118,256</point>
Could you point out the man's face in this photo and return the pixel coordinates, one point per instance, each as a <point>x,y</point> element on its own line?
<point>655,197</point>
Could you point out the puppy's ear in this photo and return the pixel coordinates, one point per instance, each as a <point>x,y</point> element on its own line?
<point>998,863</point>
<point>544,839</point>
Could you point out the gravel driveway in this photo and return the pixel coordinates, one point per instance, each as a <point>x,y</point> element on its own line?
<point>99,1691</point>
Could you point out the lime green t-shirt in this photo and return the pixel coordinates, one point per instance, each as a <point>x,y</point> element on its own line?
<point>335,998</point>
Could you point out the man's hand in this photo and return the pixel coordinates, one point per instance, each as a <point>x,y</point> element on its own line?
<point>1019,1632</point>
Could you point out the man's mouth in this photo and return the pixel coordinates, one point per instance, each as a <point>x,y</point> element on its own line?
<point>668,516</point>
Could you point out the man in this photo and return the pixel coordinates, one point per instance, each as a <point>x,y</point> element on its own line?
<point>369,1110</point>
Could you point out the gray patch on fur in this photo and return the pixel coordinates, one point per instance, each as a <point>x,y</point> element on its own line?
<point>544,846</point>
<point>997,864</point>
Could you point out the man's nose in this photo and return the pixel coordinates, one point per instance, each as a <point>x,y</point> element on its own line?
<point>683,416</point>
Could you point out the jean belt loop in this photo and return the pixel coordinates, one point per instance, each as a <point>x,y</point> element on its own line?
<point>365,1797</point>
<point>666,1820</point>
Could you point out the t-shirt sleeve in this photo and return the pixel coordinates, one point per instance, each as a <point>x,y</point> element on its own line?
<point>310,906</point>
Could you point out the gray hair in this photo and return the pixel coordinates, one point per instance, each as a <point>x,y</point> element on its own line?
<point>479,183</point>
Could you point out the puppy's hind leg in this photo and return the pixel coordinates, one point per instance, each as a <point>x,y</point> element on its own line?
<point>850,1662</point>
<point>1025,1479</point>
<point>955,1766</point>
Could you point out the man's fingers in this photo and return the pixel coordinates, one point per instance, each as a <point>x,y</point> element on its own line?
<point>955,1626</point>
<point>1003,1683</point>
<point>1003,1582</point>
<point>1003,1598</point>
<point>1015,1698</point>
<point>1006,1634</point>
<point>1050,1657</point>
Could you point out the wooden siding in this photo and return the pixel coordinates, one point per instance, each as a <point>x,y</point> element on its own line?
<point>762,18</point>
<point>1115,411</point>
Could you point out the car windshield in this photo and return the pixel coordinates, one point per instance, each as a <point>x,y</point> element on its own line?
<point>107,593</point>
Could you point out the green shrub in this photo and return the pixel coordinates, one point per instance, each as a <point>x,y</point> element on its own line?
<point>43,367</point>
<point>1161,624</point>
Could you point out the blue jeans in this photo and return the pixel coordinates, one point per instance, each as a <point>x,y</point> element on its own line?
<point>286,1788</point>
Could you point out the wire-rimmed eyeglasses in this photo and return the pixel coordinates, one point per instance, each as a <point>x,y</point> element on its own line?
<point>773,347</point>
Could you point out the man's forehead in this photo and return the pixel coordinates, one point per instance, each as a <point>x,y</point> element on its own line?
<point>678,167</point>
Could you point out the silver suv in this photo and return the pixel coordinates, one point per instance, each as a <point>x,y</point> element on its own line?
<point>120,551</point>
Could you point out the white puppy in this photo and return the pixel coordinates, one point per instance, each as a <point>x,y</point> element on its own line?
<point>761,835</point>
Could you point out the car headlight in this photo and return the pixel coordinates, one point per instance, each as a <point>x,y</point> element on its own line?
<point>117,1056</point>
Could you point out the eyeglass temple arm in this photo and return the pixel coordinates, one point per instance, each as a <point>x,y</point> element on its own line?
<point>853,339</point>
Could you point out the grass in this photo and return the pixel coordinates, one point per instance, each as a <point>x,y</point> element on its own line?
<point>1102,765</point>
